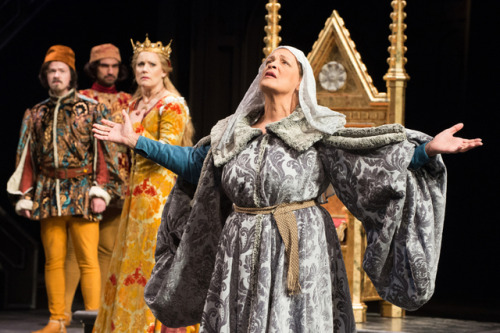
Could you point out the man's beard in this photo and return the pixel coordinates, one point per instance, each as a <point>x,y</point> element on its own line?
<point>108,81</point>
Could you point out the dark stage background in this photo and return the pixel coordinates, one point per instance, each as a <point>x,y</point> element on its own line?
<point>217,49</point>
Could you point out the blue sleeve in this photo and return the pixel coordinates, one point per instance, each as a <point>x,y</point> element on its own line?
<point>419,158</point>
<point>184,161</point>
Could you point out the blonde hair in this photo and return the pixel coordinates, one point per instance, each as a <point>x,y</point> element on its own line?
<point>187,137</point>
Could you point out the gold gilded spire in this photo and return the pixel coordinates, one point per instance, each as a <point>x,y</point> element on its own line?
<point>396,76</point>
<point>272,28</point>
<point>397,50</point>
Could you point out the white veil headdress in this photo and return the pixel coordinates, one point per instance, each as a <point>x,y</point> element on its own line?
<point>320,118</point>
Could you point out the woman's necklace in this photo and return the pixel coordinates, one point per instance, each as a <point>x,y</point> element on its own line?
<point>149,102</point>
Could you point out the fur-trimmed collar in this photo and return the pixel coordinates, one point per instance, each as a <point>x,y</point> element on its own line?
<point>296,132</point>
<point>242,134</point>
<point>293,130</point>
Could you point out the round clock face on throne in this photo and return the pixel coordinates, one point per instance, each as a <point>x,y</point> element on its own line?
<point>332,76</point>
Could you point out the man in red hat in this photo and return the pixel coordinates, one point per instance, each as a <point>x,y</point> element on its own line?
<point>105,69</point>
<point>61,180</point>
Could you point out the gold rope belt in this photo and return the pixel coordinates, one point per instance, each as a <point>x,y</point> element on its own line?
<point>287,227</point>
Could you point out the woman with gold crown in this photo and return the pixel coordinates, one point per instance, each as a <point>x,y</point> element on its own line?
<point>158,112</point>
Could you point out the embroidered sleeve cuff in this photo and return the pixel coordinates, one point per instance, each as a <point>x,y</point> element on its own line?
<point>24,204</point>
<point>96,191</point>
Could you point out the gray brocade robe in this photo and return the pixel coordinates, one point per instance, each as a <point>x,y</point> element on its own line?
<point>228,269</point>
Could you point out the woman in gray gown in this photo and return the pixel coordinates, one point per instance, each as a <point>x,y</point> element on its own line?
<point>248,249</point>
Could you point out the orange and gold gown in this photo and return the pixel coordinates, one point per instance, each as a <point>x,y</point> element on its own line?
<point>122,303</point>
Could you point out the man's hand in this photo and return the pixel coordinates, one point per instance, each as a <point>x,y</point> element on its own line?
<point>25,213</point>
<point>98,205</point>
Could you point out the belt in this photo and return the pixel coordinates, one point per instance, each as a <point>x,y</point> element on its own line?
<point>287,227</point>
<point>65,173</point>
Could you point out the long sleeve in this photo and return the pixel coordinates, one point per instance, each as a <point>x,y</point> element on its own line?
<point>26,184</point>
<point>402,211</point>
<point>184,161</point>
<point>27,176</point>
<point>420,157</point>
<point>102,174</point>
<point>102,185</point>
<point>21,183</point>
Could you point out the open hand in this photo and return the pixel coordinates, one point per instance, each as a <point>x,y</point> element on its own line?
<point>119,133</point>
<point>446,143</point>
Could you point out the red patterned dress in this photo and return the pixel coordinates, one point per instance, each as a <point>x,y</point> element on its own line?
<point>122,304</point>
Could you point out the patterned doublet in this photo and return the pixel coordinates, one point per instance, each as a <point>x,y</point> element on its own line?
<point>58,134</point>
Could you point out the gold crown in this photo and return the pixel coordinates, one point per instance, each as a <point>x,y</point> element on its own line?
<point>147,46</point>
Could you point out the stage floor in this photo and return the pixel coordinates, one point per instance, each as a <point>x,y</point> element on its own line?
<point>28,320</point>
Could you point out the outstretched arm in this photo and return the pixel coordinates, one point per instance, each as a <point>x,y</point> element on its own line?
<point>446,143</point>
<point>184,161</point>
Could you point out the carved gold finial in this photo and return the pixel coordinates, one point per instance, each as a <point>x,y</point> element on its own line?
<point>147,46</point>
<point>272,28</point>
<point>396,76</point>
<point>397,38</point>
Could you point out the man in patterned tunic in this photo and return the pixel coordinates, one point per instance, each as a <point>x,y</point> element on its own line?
<point>61,180</point>
<point>105,69</point>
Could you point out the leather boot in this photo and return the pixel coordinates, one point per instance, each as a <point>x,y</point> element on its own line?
<point>54,326</point>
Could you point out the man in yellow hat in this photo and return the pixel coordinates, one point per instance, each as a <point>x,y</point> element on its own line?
<point>105,69</point>
<point>61,180</point>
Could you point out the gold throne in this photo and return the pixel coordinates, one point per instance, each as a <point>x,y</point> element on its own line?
<point>344,85</point>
